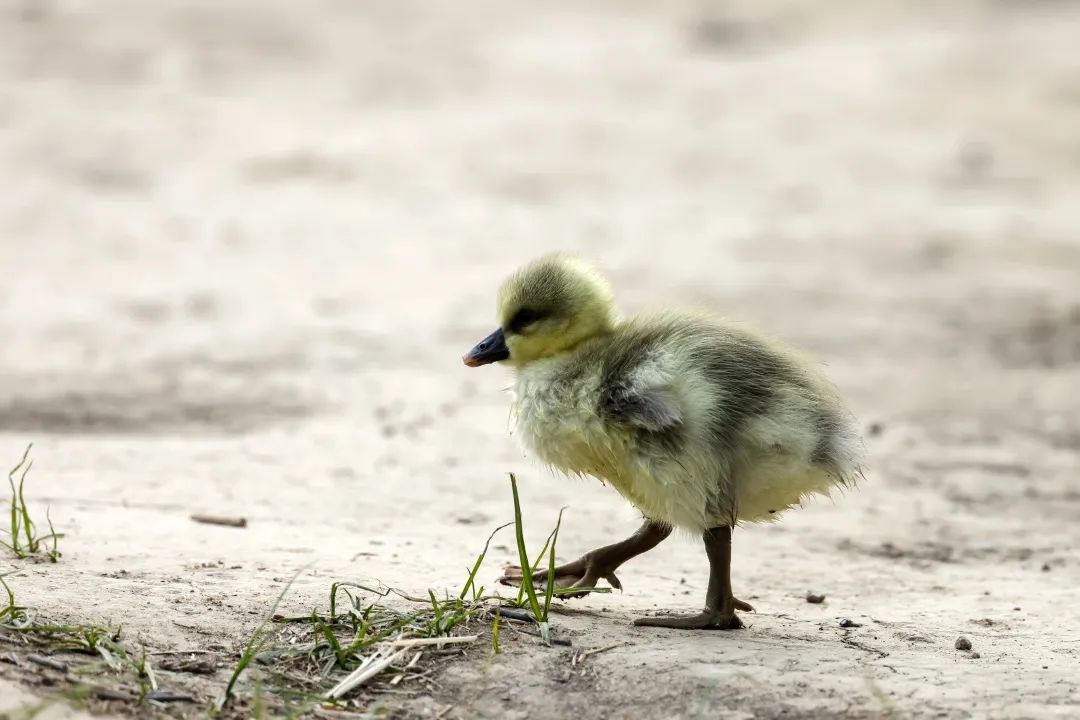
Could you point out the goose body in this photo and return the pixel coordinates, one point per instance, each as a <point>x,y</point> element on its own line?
<point>696,422</point>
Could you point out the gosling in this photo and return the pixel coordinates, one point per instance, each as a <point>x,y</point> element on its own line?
<point>699,423</point>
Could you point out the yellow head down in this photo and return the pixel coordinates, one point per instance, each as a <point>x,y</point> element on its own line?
<point>547,307</point>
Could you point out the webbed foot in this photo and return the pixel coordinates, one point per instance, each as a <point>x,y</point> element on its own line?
<point>585,572</point>
<point>708,619</point>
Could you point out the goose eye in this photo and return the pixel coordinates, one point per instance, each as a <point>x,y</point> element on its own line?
<point>522,319</point>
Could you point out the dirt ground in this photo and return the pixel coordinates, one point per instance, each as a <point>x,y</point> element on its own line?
<point>245,244</point>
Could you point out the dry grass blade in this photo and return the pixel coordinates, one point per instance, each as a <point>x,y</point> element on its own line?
<point>438,641</point>
<point>372,667</point>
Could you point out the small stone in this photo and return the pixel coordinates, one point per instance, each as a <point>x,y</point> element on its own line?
<point>845,623</point>
<point>814,598</point>
<point>962,643</point>
<point>975,656</point>
<point>1046,567</point>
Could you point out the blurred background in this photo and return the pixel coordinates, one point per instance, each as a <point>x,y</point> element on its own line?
<point>222,216</point>
<point>245,243</point>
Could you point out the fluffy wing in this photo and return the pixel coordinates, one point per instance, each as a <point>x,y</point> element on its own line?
<point>645,398</point>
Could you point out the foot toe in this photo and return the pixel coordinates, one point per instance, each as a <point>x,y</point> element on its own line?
<point>511,575</point>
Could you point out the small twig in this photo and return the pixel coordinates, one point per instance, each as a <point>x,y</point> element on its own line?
<point>597,651</point>
<point>165,696</point>
<point>577,658</point>
<point>511,614</point>
<point>217,520</point>
<point>47,662</point>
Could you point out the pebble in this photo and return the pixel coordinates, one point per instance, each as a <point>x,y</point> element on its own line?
<point>814,598</point>
<point>962,643</point>
<point>845,623</point>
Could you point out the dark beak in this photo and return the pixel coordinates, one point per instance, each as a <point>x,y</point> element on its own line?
<point>490,349</point>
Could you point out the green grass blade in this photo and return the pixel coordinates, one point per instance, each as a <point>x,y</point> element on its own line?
<point>436,609</point>
<point>533,568</point>
<point>254,645</point>
<point>15,504</point>
<point>343,584</point>
<point>10,610</point>
<point>15,519</point>
<point>551,566</point>
<point>27,524</point>
<point>333,600</point>
<point>339,653</point>
<point>54,554</point>
<point>479,562</point>
<point>526,568</point>
<point>21,525</point>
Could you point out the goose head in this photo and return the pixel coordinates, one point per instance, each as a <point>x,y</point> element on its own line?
<point>546,308</point>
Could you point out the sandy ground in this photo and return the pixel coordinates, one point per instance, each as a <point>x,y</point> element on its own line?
<point>244,245</point>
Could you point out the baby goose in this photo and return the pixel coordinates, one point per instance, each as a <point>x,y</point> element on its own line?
<point>700,424</point>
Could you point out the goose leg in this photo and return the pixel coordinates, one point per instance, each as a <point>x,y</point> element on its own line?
<point>602,562</point>
<point>720,603</point>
